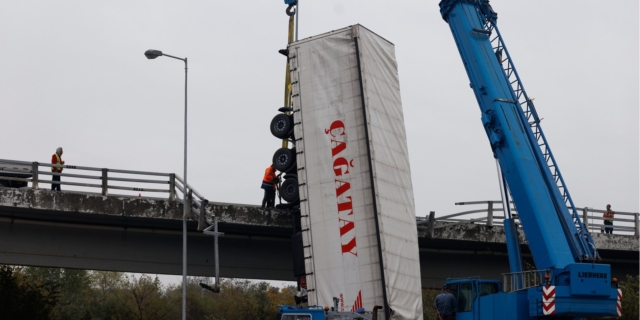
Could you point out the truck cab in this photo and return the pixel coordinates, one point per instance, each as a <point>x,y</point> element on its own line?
<point>300,313</point>
<point>472,294</point>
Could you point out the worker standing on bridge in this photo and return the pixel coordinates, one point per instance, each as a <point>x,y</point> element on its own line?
<point>56,159</point>
<point>269,185</point>
<point>445,305</point>
<point>608,222</point>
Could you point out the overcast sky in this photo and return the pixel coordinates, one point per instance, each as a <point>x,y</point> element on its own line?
<point>73,74</point>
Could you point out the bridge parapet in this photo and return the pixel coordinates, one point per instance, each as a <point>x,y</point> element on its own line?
<point>495,234</point>
<point>91,203</point>
<point>162,208</point>
<point>626,223</point>
<point>20,173</point>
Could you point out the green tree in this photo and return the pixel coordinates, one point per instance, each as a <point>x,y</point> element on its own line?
<point>630,298</point>
<point>107,296</point>
<point>278,297</point>
<point>146,298</point>
<point>238,299</point>
<point>259,294</point>
<point>71,288</point>
<point>21,298</point>
<point>73,297</point>
<point>428,296</point>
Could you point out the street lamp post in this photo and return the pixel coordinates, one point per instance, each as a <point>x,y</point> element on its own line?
<point>152,54</point>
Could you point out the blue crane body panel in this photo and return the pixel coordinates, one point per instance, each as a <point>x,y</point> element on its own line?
<point>295,313</point>
<point>567,304</point>
<point>474,302</point>
<point>502,306</point>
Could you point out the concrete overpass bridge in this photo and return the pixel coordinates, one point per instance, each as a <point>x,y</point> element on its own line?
<point>101,231</point>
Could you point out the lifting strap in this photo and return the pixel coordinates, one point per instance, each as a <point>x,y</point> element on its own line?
<point>287,80</point>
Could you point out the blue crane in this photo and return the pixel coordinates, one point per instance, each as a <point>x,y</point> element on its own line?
<point>569,282</point>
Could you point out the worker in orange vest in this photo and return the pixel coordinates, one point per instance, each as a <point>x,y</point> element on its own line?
<point>269,185</point>
<point>608,215</point>
<point>56,159</point>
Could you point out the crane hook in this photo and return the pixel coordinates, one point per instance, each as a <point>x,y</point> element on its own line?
<point>288,11</point>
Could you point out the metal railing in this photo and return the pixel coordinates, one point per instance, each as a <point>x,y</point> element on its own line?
<point>138,182</point>
<point>516,281</point>
<point>127,180</point>
<point>627,223</point>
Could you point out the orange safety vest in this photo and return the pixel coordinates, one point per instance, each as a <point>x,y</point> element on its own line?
<point>58,162</point>
<point>608,214</point>
<point>269,174</point>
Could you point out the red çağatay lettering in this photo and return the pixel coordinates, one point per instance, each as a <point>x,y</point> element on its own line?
<point>343,188</point>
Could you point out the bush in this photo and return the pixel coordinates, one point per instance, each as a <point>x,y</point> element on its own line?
<point>21,298</point>
<point>630,298</point>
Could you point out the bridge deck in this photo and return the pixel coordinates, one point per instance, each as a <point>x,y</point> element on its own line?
<point>91,231</point>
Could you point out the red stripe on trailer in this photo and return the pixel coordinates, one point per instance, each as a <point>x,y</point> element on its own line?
<point>358,303</point>
<point>548,300</point>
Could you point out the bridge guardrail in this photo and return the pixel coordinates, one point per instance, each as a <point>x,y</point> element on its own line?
<point>197,202</point>
<point>174,184</point>
<point>624,222</point>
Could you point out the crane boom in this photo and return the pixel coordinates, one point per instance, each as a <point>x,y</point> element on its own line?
<point>559,242</point>
<point>516,137</point>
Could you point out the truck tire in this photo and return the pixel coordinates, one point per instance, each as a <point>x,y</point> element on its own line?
<point>281,126</point>
<point>289,190</point>
<point>284,159</point>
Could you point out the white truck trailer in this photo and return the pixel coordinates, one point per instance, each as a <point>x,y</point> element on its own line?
<point>10,173</point>
<point>358,224</point>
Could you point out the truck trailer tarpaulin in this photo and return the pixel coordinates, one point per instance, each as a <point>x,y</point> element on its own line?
<point>357,204</point>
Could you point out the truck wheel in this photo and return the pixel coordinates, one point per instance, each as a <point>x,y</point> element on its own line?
<point>281,125</point>
<point>289,190</point>
<point>284,159</point>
